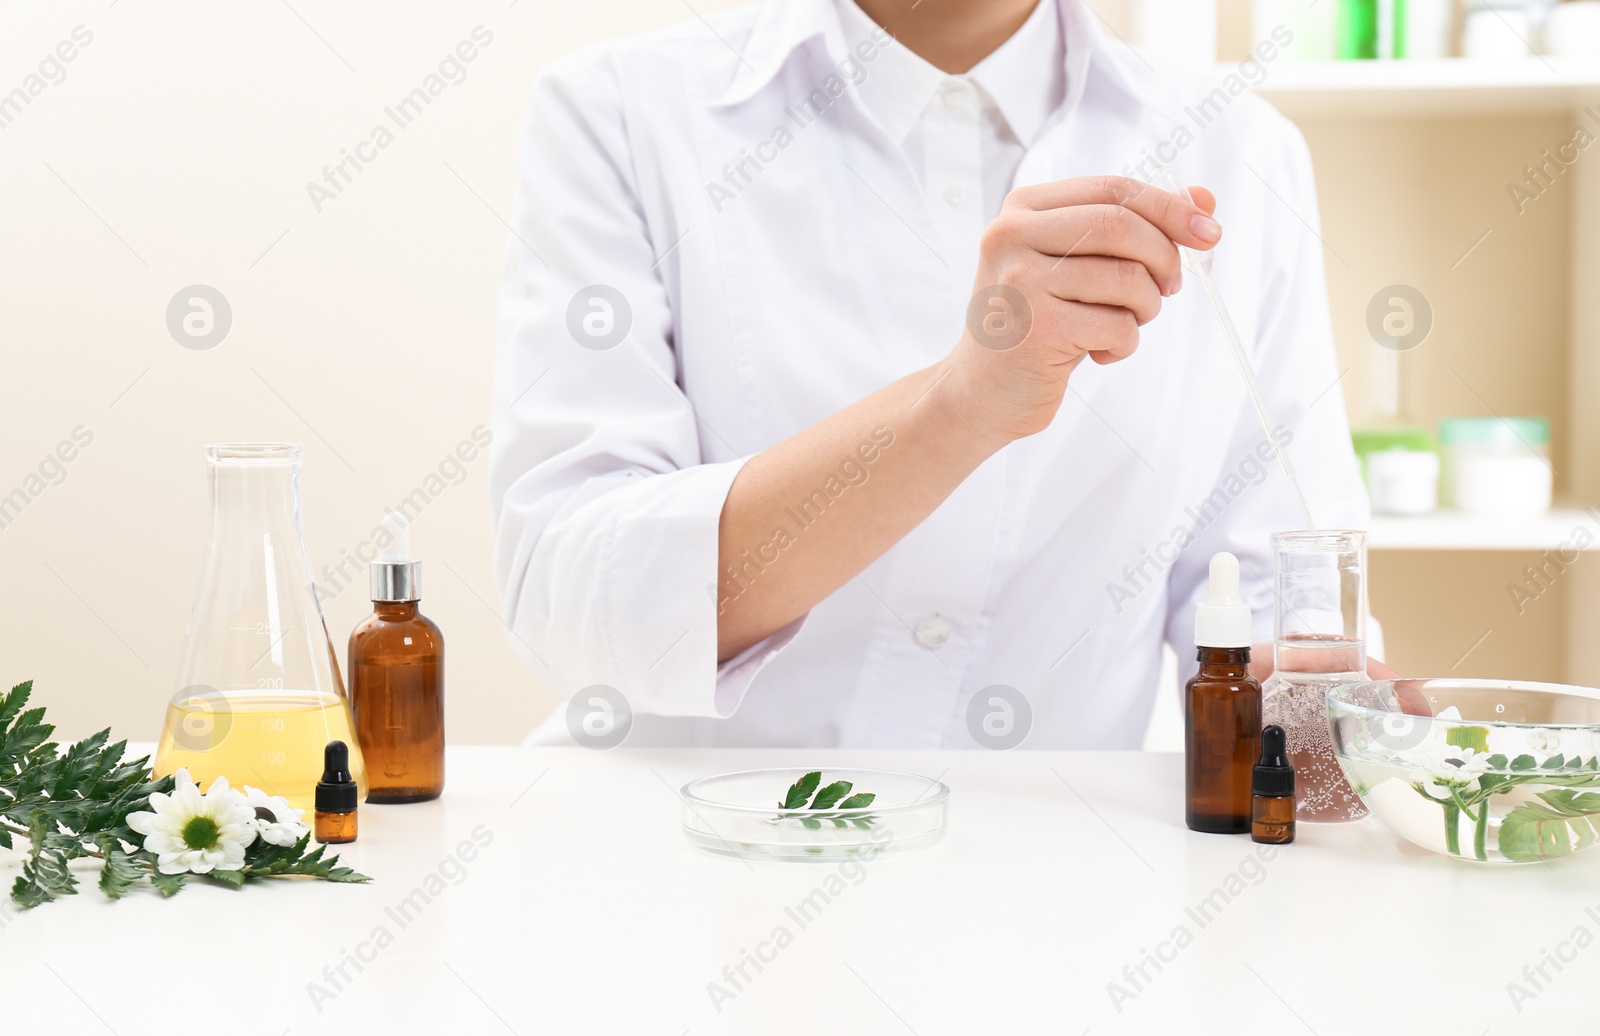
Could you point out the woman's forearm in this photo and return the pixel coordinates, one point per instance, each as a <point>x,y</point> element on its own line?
<point>805,516</point>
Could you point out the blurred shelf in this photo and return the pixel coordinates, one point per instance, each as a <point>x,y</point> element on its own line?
<point>1449,530</point>
<point>1401,89</point>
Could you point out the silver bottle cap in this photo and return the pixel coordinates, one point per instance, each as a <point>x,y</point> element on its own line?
<point>396,580</point>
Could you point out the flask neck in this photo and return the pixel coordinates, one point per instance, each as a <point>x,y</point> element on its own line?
<point>395,611</point>
<point>255,499</point>
<point>256,623</point>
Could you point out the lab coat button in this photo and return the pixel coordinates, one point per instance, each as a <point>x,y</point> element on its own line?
<point>955,194</point>
<point>933,630</point>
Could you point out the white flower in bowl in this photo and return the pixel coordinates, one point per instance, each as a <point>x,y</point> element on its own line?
<point>1449,765</point>
<point>196,833</point>
<point>276,822</point>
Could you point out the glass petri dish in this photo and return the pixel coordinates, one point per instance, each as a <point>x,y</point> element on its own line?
<point>739,815</point>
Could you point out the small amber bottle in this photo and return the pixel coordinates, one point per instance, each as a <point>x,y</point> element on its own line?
<point>397,681</point>
<point>337,797</point>
<point>1272,791</point>
<point>1222,710</point>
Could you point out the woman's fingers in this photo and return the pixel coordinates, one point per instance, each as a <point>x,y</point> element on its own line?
<point>1183,221</point>
<point>1106,281</point>
<point>1106,333</point>
<point>1105,230</point>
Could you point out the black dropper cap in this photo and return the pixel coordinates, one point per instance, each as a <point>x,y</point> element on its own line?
<point>336,792</point>
<point>1273,777</point>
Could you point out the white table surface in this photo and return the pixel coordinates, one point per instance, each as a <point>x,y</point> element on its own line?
<point>587,912</point>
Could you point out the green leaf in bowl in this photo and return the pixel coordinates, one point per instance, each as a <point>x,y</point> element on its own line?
<point>1561,823</point>
<point>1475,738</point>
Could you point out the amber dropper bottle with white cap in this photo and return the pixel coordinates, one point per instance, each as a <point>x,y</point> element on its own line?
<point>1222,709</point>
<point>397,679</point>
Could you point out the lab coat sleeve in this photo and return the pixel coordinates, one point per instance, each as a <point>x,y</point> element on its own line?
<point>605,516</point>
<point>1295,363</point>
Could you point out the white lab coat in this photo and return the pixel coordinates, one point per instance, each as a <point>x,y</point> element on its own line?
<point>1057,569</point>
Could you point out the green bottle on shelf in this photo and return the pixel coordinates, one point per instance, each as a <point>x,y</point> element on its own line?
<point>1357,33</point>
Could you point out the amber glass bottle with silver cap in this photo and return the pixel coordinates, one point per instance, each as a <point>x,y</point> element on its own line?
<point>397,678</point>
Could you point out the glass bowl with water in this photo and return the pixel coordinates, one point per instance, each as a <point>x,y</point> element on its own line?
<point>1490,771</point>
<point>741,815</point>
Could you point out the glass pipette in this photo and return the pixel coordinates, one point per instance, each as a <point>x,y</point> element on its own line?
<point>1199,264</point>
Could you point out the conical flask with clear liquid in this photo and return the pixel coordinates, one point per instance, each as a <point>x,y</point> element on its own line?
<point>259,694</point>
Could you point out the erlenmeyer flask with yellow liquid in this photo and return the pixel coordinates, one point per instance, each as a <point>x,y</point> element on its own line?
<point>259,693</point>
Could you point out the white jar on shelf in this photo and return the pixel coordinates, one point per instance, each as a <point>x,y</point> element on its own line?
<point>1572,30</point>
<point>1403,481</point>
<point>1497,34</point>
<point>1497,466</point>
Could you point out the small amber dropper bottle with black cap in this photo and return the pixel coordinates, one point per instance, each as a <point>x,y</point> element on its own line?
<point>1272,791</point>
<point>337,797</point>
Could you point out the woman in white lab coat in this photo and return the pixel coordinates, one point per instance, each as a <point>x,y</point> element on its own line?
<point>794,440</point>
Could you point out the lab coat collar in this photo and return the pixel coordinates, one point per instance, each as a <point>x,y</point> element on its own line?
<point>781,28</point>
<point>900,84</point>
<point>784,27</point>
<point>1012,75</point>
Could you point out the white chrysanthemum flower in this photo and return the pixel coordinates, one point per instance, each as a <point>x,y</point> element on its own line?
<point>1450,765</point>
<point>276,822</point>
<point>191,832</point>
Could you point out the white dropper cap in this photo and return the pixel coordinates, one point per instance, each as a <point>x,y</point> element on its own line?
<point>398,549</point>
<point>1224,619</point>
<point>395,575</point>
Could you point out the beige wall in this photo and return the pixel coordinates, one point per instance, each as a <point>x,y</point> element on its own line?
<point>183,138</point>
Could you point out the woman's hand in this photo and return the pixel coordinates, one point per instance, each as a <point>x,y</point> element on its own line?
<point>1069,269</point>
<point>1261,664</point>
<point>1407,692</point>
